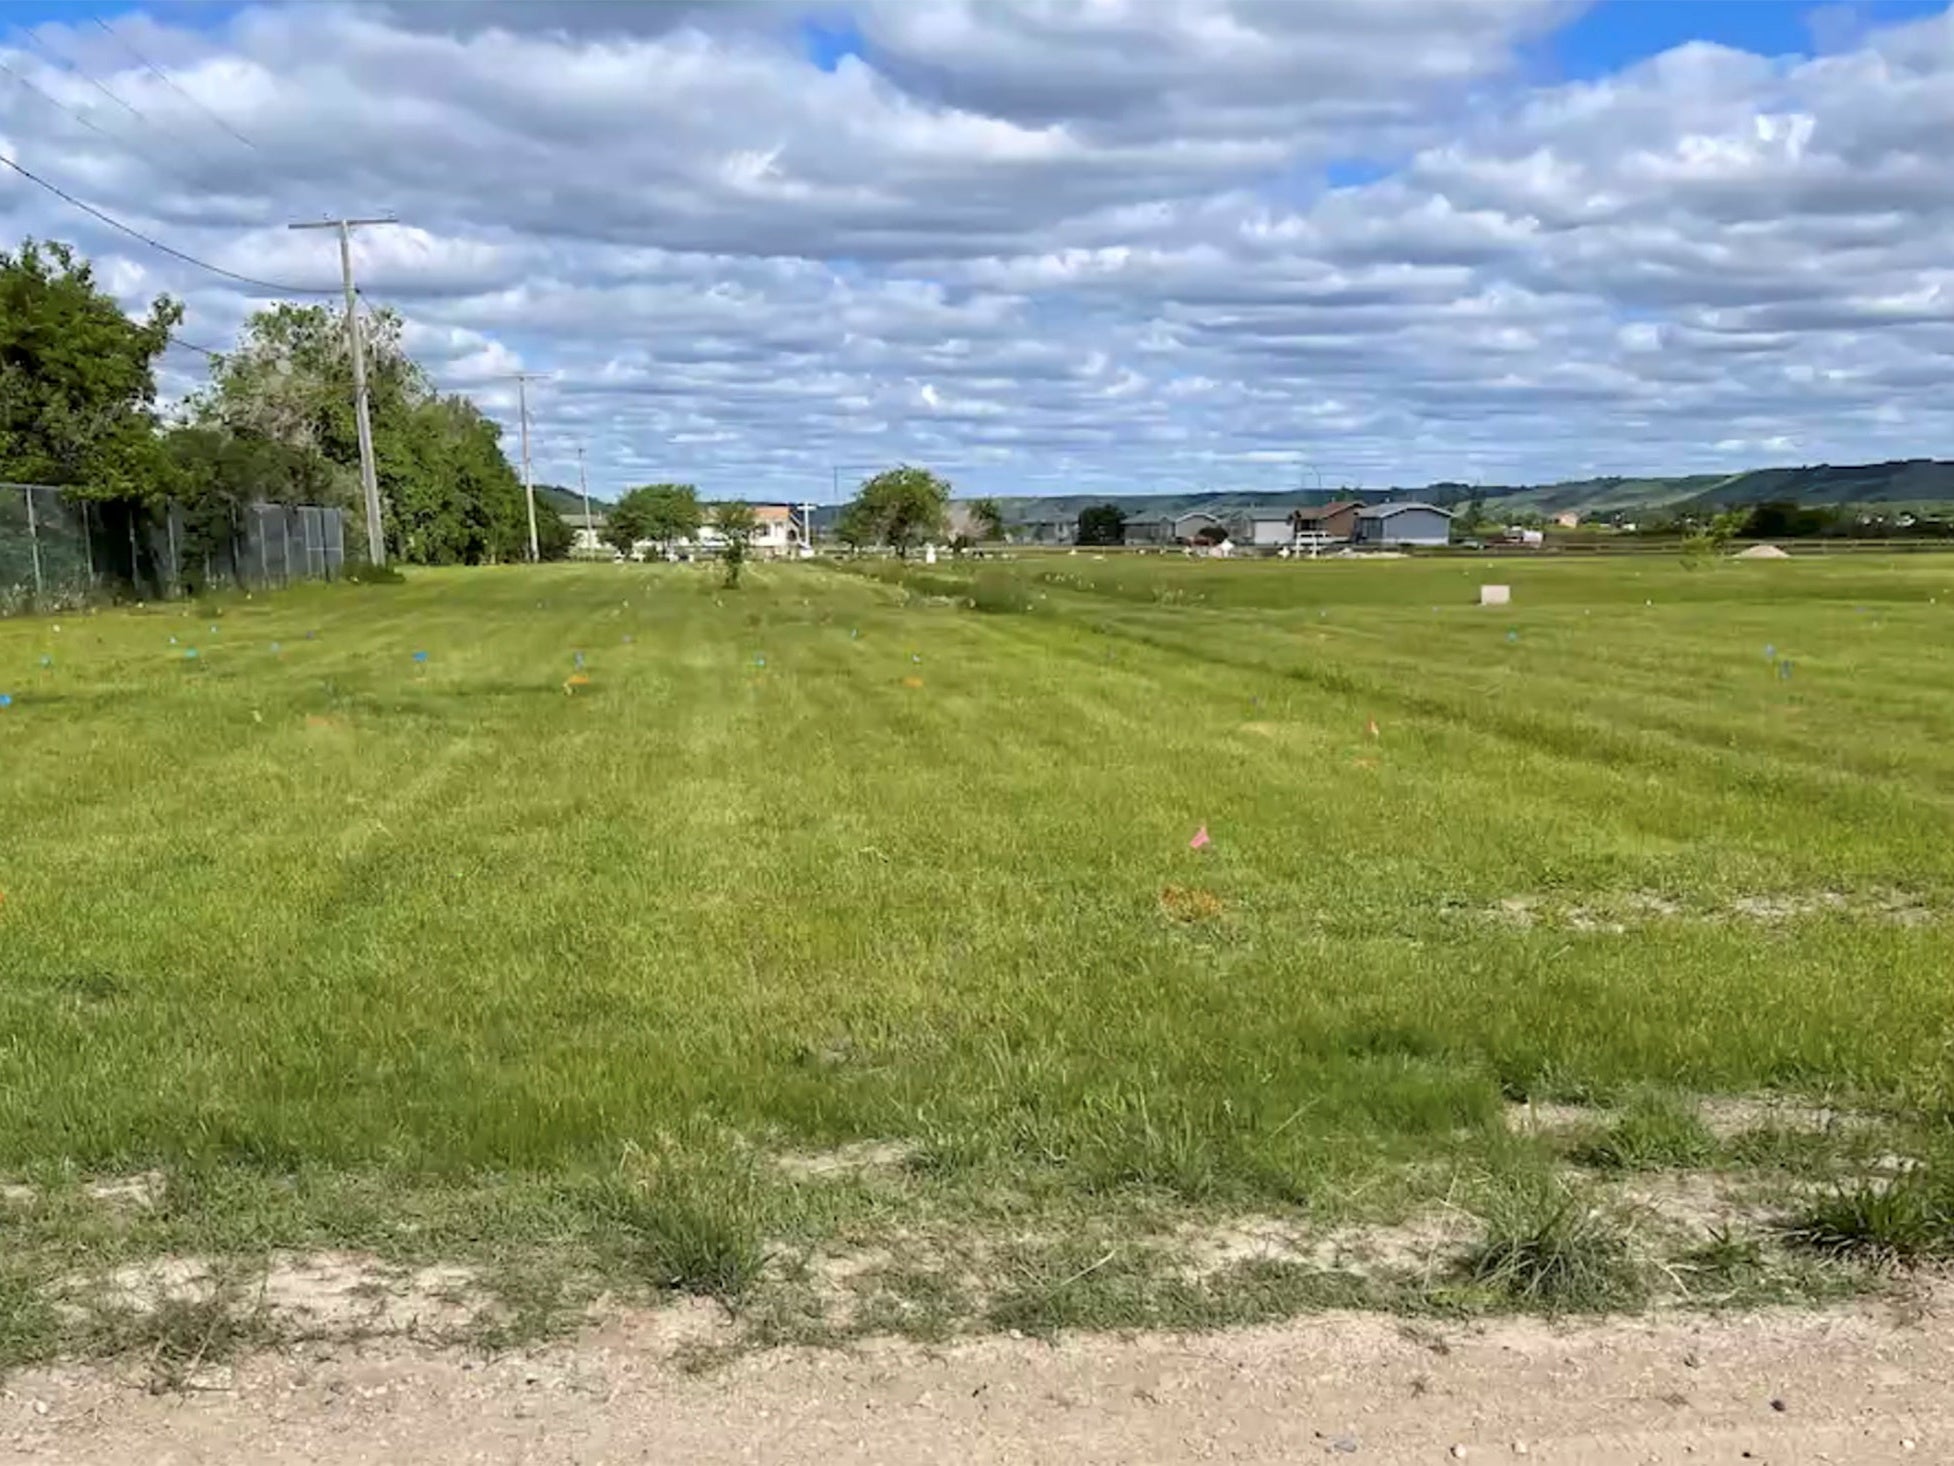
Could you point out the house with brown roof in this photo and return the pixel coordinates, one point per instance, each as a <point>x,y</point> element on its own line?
<point>1336,521</point>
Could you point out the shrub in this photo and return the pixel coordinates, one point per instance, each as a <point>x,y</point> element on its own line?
<point>1904,1224</point>
<point>999,593</point>
<point>1550,1247</point>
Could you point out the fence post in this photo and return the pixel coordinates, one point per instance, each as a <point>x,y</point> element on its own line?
<point>88,544</point>
<point>285,535</point>
<point>34,543</point>
<point>169,524</point>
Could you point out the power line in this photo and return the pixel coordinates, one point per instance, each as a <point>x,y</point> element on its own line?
<point>70,64</point>
<point>192,346</point>
<point>133,233</point>
<point>165,78</point>
<point>100,132</point>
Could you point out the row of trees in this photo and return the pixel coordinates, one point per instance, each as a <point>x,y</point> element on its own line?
<point>275,421</point>
<point>901,508</point>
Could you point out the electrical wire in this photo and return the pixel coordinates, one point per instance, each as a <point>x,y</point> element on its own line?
<point>157,244</point>
<point>100,132</point>
<point>68,63</point>
<point>167,80</point>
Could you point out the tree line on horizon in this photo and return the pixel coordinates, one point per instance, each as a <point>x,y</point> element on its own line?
<point>273,423</point>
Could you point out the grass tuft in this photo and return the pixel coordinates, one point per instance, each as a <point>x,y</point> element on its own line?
<point>692,1227</point>
<point>1654,1134</point>
<point>1903,1224</point>
<point>1554,1248</point>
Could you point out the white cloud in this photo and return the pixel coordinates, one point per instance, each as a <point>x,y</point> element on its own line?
<point>1054,243</point>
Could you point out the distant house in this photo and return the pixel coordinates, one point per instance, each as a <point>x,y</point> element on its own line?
<point>588,539</point>
<point>1263,528</point>
<point>1142,529</point>
<point>1336,521</point>
<point>1402,524</point>
<point>1043,530</point>
<point>1567,519</point>
<point>1194,525</point>
<point>776,533</point>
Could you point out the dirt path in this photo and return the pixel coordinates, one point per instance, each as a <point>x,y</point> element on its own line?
<point>1863,1385</point>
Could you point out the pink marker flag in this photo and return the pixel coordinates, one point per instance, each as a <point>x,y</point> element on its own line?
<point>1200,839</point>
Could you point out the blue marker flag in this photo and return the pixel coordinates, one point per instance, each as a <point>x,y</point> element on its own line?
<point>420,656</point>
<point>6,700</point>
<point>1770,652</point>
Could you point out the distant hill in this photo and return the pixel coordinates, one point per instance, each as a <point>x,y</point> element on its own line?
<point>568,502</point>
<point>1914,482</point>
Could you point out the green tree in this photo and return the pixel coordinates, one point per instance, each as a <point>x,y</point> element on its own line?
<point>902,506</point>
<point>448,493</point>
<point>987,518</point>
<point>856,527</point>
<point>735,523</point>
<point>666,512</point>
<point>1102,524</point>
<point>626,524</point>
<point>554,536</point>
<point>77,378</point>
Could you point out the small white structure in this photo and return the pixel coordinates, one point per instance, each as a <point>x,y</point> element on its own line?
<point>1495,595</point>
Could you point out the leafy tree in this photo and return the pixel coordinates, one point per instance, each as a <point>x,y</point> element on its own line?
<point>667,512</point>
<point>1781,519</point>
<point>554,536</point>
<point>77,378</point>
<point>735,522</point>
<point>1102,524</point>
<point>626,524</point>
<point>987,518</point>
<point>856,526</point>
<point>902,506</point>
<point>448,493</point>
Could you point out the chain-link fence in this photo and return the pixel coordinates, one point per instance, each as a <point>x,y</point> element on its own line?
<point>56,550</point>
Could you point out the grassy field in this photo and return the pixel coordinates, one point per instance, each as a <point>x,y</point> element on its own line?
<point>596,983</point>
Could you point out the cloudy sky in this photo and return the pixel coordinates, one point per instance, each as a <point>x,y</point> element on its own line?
<point>1056,245</point>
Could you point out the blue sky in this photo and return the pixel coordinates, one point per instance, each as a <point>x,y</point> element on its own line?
<point>1617,33</point>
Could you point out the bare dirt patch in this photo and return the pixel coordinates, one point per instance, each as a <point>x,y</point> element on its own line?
<point>1419,1246</point>
<point>1189,904</point>
<point>1855,1384</point>
<point>328,1294</point>
<point>1543,1117</point>
<point>1618,913</point>
<point>854,1159</point>
<point>1731,1115</point>
<point>140,1192</point>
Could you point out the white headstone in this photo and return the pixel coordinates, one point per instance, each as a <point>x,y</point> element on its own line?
<point>1495,595</point>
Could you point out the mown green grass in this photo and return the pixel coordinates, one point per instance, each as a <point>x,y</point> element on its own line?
<point>336,937</point>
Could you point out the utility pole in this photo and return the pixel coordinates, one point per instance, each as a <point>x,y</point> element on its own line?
<point>376,537</point>
<point>583,484</point>
<point>523,379</point>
